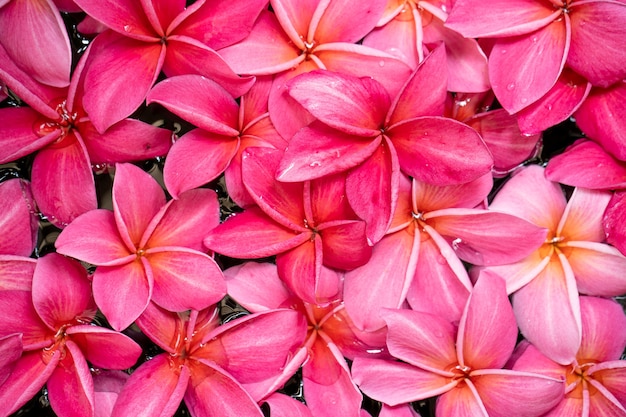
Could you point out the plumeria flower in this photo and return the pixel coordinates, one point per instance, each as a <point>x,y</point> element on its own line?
<point>573,258</point>
<point>54,310</point>
<point>147,249</point>
<point>331,335</point>
<point>149,36</point>
<point>306,225</point>
<point>225,130</point>
<point>67,144</point>
<point>420,258</point>
<point>594,381</point>
<point>464,368</point>
<point>410,28</point>
<point>536,39</point>
<point>17,218</point>
<point>360,127</point>
<point>206,364</point>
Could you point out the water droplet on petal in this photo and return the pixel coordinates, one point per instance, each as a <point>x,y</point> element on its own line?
<point>128,28</point>
<point>315,164</point>
<point>456,242</point>
<point>381,63</point>
<point>510,87</point>
<point>535,39</point>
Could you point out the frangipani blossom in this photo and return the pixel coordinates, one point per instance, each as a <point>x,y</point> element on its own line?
<point>225,130</point>
<point>573,258</point>
<point>536,39</point>
<point>53,309</point>
<point>331,335</point>
<point>67,144</point>
<point>419,259</point>
<point>17,218</point>
<point>307,225</point>
<point>410,28</point>
<point>464,368</point>
<point>359,127</point>
<point>147,249</point>
<point>594,381</point>
<point>152,35</point>
<point>206,364</point>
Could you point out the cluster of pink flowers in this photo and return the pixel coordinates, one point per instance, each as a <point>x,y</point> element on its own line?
<point>376,263</point>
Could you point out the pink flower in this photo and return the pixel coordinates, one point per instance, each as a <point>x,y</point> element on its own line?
<point>147,249</point>
<point>53,309</point>
<point>594,380</point>
<point>206,364</point>
<point>573,258</point>
<point>17,218</point>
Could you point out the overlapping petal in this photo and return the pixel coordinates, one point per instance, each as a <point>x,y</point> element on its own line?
<point>73,375</point>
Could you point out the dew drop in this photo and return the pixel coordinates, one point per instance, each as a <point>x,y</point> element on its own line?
<point>128,28</point>
<point>510,87</point>
<point>535,39</point>
<point>548,107</point>
<point>381,63</point>
<point>315,164</point>
<point>456,242</point>
<point>503,51</point>
<point>523,100</point>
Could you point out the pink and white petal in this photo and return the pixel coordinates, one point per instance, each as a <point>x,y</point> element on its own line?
<point>614,221</point>
<point>372,190</point>
<point>186,222</point>
<point>344,245</point>
<point>63,170</point>
<point>603,329</point>
<point>70,387</point>
<point>437,150</point>
<point>17,221</point>
<point>186,55</point>
<point>483,237</point>
<point>153,390</point>
<point>502,135</point>
<point>501,18</point>
<point>544,209</point>
<point>563,99</point>
<point>105,348</point>
<point>38,24</point>
<point>586,164</point>
<point>411,102</point>
<point>608,67</point>
<point>213,392</point>
<point>184,279</point>
<point>127,17</point>
<point>427,197</point>
<point>300,269</point>
<point>598,118</point>
<point>61,290</point>
<point>93,237</point>
<point>363,101</point>
<point>114,145</point>
<point>17,136</point>
<point>582,218</point>
<point>397,383</point>
<point>137,198</point>
<point>605,405</point>
<point>342,22</point>
<point>598,268</point>
<point>612,378</point>
<point>197,158</point>
<point>115,62</point>
<point>318,150</point>
<point>382,282</point>
<point>256,286</point>
<point>461,401</point>
<point>548,313</point>
<point>421,339</point>
<point>122,292</point>
<point>516,274</point>
<point>570,407</point>
<point>29,375</point>
<point>252,234</point>
<point>487,331</point>
<point>217,115</point>
<point>282,405</point>
<point>295,17</point>
<point>505,392</point>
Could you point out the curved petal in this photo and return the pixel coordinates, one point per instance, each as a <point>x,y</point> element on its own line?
<point>105,348</point>
<point>427,198</point>
<point>603,329</point>
<point>17,221</point>
<point>345,246</point>
<point>583,215</point>
<point>341,21</point>
<point>300,269</point>
<point>10,352</point>
<point>127,18</point>
<point>598,268</point>
<point>256,286</point>
<point>614,221</point>
<point>18,134</point>
<point>461,401</point>
<point>282,405</point>
<point>16,273</point>
<point>71,376</point>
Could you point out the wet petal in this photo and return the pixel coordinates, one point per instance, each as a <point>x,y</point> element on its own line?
<point>127,18</point>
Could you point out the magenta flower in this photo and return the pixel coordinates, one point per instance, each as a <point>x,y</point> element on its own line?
<point>536,39</point>
<point>331,335</point>
<point>466,370</point>
<point>594,381</point>
<point>147,249</point>
<point>306,225</point>
<point>53,309</point>
<point>149,36</point>
<point>419,259</point>
<point>573,258</point>
<point>57,126</point>
<point>225,130</point>
<point>17,218</point>
<point>206,364</point>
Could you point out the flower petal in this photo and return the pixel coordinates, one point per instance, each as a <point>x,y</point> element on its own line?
<point>461,401</point>
<point>17,221</point>
<point>300,269</point>
<point>105,348</point>
<point>282,405</point>
<point>603,331</point>
<point>614,221</point>
<point>256,286</point>
<point>71,376</point>
<point>598,268</point>
<point>17,138</point>
<point>127,17</point>
<point>345,246</point>
<point>10,352</point>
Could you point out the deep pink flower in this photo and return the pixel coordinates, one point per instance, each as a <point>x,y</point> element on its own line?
<point>464,368</point>
<point>595,380</point>
<point>17,218</point>
<point>574,258</point>
<point>153,35</point>
<point>536,39</point>
<point>53,309</point>
<point>147,249</point>
<point>206,364</point>
<point>67,144</point>
<point>306,225</point>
